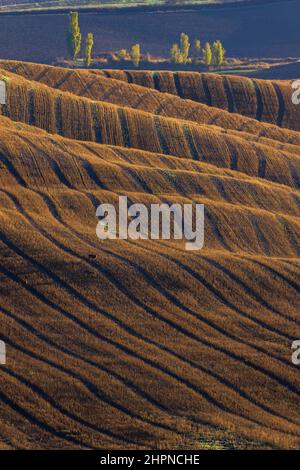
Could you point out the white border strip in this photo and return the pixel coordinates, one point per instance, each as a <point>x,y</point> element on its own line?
<point>2,353</point>
<point>2,92</point>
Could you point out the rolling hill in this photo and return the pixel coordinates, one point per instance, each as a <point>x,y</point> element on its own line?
<point>140,344</point>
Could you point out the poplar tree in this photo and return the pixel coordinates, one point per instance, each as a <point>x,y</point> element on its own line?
<point>218,53</point>
<point>207,54</point>
<point>136,54</point>
<point>88,49</point>
<point>184,47</point>
<point>74,35</point>
<point>174,53</point>
<point>197,50</point>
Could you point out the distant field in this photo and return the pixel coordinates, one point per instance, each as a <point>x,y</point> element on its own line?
<point>245,31</point>
<point>32,5</point>
<point>44,4</point>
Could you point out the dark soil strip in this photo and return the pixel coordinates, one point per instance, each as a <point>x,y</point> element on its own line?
<point>163,143</point>
<point>294,174</point>
<point>260,235</point>
<point>4,110</point>
<point>261,165</point>
<point>259,101</point>
<point>189,138</point>
<point>233,155</point>
<point>156,81</point>
<point>221,188</point>
<point>108,92</point>
<point>281,106</point>
<point>229,96</point>
<point>16,68</point>
<point>215,230</point>
<point>41,75</point>
<point>96,125</point>
<point>207,91</point>
<point>163,104</point>
<point>59,174</point>
<point>140,180</point>
<point>6,161</point>
<point>178,85</point>
<point>294,241</point>
<point>58,117</point>
<point>129,77</point>
<point>87,87</point>
<point>63,79</point>
<point>275,274</point>
<point>124,127</point>
<point>106,73</point>
<point>36,421</point>
<point>31,113</point>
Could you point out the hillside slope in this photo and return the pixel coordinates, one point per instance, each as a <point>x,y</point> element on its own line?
<point>138,343</point>
<point>267,101</point>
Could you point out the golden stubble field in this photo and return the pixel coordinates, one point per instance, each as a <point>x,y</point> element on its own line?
<point>141,344</point>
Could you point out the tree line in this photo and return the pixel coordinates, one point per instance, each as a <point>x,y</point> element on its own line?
<point>74,39</point>
<point>181,53</point>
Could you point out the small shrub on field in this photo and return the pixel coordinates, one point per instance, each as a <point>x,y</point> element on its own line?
<point>123,54</point>
<point>114,57</point>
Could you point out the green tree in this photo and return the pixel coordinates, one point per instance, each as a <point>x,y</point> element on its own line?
<point>88,49</point>
<point>197,51</point>
<point>218,53</point>
<point>136,54</point>
<point>180,59</point>
<point>207,54</point>
<point>174,53</point>
<point>184,47</point>
<point>74,35</point>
